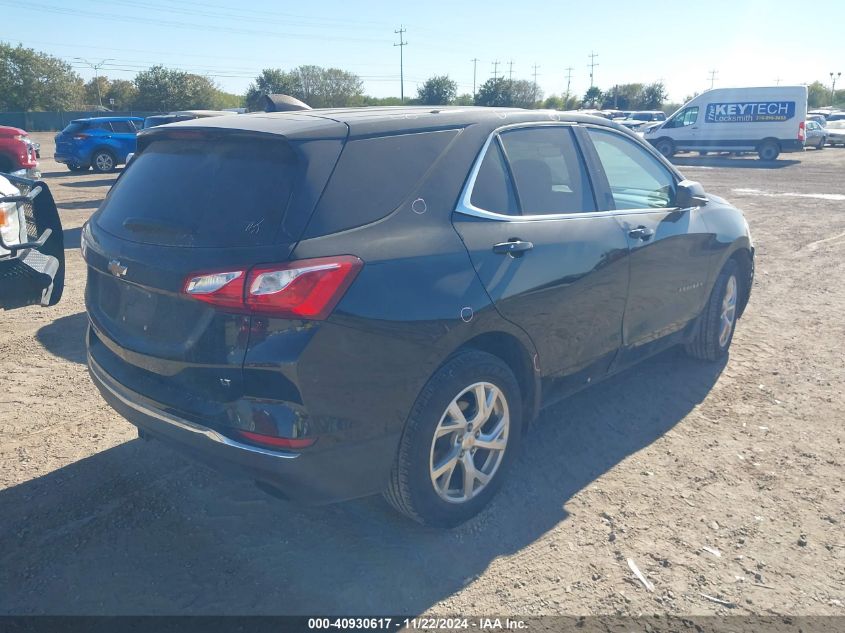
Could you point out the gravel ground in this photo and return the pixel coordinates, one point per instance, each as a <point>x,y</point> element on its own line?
<point>719,482</point>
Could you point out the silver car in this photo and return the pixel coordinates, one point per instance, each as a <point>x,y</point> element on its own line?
<point>835,133</point>
<point>816,135</point>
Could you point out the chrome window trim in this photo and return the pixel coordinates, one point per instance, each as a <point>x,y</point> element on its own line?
<point>465,206</point>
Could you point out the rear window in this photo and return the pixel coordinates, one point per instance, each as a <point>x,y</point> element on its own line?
<point>204,192</point>
<point>74,127</point>
<point>373,177</point>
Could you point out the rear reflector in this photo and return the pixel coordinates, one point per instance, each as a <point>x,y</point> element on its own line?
<point>302,289</point>
<point>278,442</point>
<point>801,126</point>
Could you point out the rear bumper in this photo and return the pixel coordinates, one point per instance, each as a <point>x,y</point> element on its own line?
<point>311,476</point>
<point>791,145</point>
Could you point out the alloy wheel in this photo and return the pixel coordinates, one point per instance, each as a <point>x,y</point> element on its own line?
<point>469,442</point>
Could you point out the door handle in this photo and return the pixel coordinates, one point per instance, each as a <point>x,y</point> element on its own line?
<point>641,233</point>
<point>514,247</point>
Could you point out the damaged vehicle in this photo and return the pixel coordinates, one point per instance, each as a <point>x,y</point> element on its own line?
<point>32,255</point>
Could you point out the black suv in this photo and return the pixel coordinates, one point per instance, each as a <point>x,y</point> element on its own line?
<point>347,302</point>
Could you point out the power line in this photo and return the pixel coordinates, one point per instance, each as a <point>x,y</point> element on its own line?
<point>569,70</point>
<point>402,44</point>
<point>592,65</point>
<point>96,68</point>
<point>713,74</point>
<point>496,69</point>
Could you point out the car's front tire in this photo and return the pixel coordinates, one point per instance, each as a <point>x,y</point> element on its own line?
<point>666,147</point>
<point>718,321</point>
<point>462,434</point>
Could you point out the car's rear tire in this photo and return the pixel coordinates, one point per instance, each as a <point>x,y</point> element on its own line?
<point>449,439</point>
<point>103,161</point>
<point>768,151</point>
<point>718,320</point>
<point>666,147</point>
<point>821,144</point>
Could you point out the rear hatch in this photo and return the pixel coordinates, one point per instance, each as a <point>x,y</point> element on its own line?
<point>195,200</point>
<point>64,139</point>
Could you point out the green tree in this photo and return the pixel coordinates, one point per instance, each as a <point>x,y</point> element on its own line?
<point>124,94</point>
<point>818,95</point>
<point>270,81</point>
<point>524,94</point>
<point>30,80</point>
<point>380,101</point>
<point>317,86</point>
<point>464,99</point>
<point>593,97</point>
<point>653,95</point>
<point>437,90</point>
<point>163,89</point>
<point>553,102</point>
<point>96,90</point>
<point>495,92</point>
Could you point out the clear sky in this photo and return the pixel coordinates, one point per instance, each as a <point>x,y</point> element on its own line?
<point>748,42</point>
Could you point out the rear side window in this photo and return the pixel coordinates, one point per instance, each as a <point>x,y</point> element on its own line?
<point>548,171</point>
<point>202,192</point>
<point>373,177</point>
<point>493,190</point>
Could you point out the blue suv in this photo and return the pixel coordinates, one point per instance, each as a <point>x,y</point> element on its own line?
<point>101,143</point>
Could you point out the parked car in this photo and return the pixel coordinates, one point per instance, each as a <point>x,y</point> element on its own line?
<point>836,116</point>
<point>815,135</point>
<point>639,120</point>
<point>260,295</point>
<point>835,132</point>
<point>767,120</point>
<point>101,143</point>
<point>32,254</point>
<point>182,115</point>
<point>17,153</point>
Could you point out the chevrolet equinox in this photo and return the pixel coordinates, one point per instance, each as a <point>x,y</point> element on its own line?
<point>378,300</point>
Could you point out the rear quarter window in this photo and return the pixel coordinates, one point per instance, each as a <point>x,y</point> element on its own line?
<point>74,127</point>
<point>204,192</point>
<point>373,177</point>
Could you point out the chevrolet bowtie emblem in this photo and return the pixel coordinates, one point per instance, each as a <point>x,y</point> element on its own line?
<point>116,268</point>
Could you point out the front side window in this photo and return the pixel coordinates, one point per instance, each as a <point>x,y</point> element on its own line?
<point>690,116</point>
<point>548,171</point>
<point>637,179</point>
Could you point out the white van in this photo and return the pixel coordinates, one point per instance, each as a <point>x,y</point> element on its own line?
<point>767,120</point>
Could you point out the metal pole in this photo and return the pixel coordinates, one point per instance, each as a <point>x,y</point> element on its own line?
<point>402,44</point>
<point>474,61</point>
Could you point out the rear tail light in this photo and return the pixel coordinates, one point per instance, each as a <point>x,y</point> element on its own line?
<point>801,126</point>
<point>303,289</point>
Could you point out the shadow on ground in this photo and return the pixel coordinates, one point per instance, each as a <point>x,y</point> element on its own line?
<point>79,204</point>
<point>735,162</point>
<point>65,337</point>
<point>139,529</point>
<point>73,237</point>
<point>100,182</point>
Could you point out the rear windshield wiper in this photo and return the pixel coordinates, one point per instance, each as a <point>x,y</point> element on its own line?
<point>146,225</point>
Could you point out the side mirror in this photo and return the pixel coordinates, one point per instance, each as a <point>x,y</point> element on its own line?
<point>690,193</point>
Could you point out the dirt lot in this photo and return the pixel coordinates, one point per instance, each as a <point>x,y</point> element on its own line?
<point>745,459</point>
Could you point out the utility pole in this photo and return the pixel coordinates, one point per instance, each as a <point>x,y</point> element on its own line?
<point>402,44</point>
<point>592,66</point>
<point>535,67</point>
<point>474,61</point>
<point>496,69</point>
<point>96,68</point>
<point>510,70</point>
<point>833,87</point>
<point>713,74</point>
<point>777,81</point>
<point>569,70</point>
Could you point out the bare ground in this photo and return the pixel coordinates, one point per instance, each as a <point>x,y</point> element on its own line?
<point>654,465</point>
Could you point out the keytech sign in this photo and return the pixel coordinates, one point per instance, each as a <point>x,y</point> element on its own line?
<point>750,112</point>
